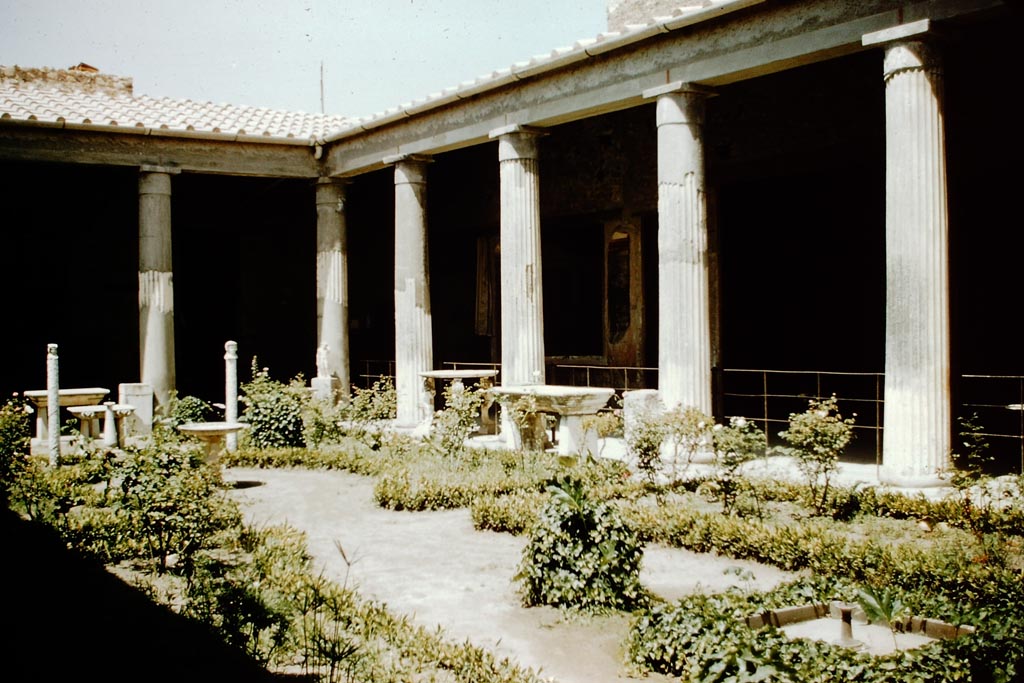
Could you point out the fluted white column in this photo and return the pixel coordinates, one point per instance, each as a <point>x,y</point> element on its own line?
<point>684,308</point>
<point>413,328</point>
<point>156,289</point>
<point>917,423</point>
<point>522,297</point>
<point>332,278</point>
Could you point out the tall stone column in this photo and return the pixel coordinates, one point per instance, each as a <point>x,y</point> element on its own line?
<point>156,290</point>
<point>522,300</point>
<point>917,424</point>
<point>332,278</point>
<point>413,328</point>
<point>684,309</point>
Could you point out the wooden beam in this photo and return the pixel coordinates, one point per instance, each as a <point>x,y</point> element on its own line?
<point>26,142</point>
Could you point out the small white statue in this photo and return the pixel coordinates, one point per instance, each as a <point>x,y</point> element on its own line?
<point>322,369</point>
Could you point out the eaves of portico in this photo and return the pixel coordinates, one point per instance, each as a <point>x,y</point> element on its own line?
<point>724,42</point>
<point>736,42</point>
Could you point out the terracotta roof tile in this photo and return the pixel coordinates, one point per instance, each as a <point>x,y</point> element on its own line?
<point>79,97</point>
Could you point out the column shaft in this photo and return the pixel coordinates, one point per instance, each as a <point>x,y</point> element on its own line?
<point>413,328</point>
<point>684,332</point>
<point>332,278</point>
<point>917,436</point>
<point>522,300</point>
<point>156,291</point>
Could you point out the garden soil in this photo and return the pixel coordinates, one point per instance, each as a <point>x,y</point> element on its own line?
<point>440,571</point>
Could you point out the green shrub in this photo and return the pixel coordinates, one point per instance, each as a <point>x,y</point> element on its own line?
<point>816,438</point>
<point>15,441</point>
<point>273,410</point>
<point>188,409</point>
<point>168,497</point>
<point>581,555</point>
<point>458,420</point>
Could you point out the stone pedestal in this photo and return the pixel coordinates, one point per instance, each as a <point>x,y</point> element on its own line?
<point>326,389</point>
<point>140,397</point>
<point>413,328</point>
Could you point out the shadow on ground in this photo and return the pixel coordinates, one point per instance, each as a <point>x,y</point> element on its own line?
<point>66,617</point>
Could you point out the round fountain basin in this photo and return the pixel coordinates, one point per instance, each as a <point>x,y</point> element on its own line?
<point>560,399</point>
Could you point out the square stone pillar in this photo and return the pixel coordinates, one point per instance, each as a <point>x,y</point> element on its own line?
<point>413,327</point>
<point>684,304</point>
<point>332,279</point>
<point>917,425</point>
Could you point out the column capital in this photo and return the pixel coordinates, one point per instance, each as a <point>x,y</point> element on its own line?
<point>331,191</point>
<point>517,142</point>
<point>516,129</point>
<point>150,168</point>
<point>409,168</point>
<point>679,88</point>
<point>395,159</point>
<point>915,30</point>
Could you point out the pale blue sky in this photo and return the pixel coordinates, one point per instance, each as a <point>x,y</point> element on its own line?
<point>376,53</point>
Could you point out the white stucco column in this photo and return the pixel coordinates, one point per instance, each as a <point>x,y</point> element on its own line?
<point>156,291</point>
<point>413,328</point>
<point>522,299</point>
<point>684,308</point>
<point>332,278</point>
<point>917,424</point>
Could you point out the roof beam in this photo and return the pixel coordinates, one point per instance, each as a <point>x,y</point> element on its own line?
<point>759,40</point>
<point>26,142</point>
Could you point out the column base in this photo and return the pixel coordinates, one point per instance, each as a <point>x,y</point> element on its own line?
<point>891,476</point>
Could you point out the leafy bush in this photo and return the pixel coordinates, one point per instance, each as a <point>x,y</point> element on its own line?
<point>188,409</point>
<point>735,444</point>
<point>15,441</point>
<point>644,437</point>
<point>581,555</point>
<point>167,497</point>
<point>458,420</point>
<point>273,410</point>
<point>817,437</point>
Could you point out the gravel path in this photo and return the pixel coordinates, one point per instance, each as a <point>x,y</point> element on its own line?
<point>435,567</point>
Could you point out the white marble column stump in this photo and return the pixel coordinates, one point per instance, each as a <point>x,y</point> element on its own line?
<point>332,279</point>
<point>684,308</point>
<point>917,424</point>
<point>231,393</point>
<point>413,327</point>
<point>156,291</point>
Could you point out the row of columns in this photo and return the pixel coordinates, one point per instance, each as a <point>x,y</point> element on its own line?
<point>917,423</point>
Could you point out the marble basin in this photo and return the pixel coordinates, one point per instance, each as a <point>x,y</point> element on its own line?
<point>570,404</point>
<point>561,399</point>
<point>212,434</point>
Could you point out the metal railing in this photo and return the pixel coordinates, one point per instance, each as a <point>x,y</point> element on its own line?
<point>768,397</point>
<point>620,378</point>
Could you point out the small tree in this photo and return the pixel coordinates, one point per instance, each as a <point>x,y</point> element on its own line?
<point>459,419</point>
<point>644,437</point>
<point>737,443</point>
<point>689,432</point>
<point>816,438</point>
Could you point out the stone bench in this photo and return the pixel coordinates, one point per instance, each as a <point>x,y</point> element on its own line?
<point>69,398</point>
<point>113,414</point>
